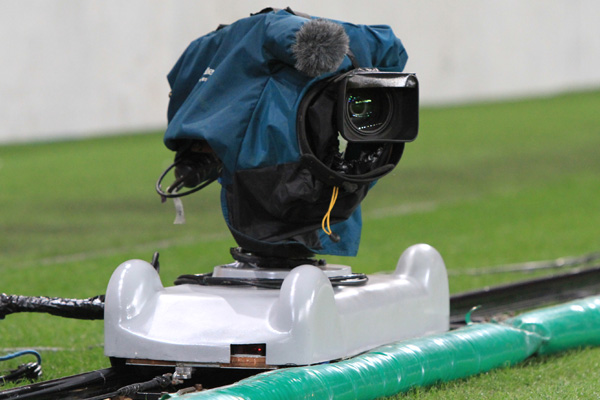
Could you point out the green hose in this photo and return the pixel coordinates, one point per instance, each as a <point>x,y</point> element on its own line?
<point>401,366</point>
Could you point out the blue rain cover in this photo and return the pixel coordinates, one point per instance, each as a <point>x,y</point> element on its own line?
<point>237,89</point>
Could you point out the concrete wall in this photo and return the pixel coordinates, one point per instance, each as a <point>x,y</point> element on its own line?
<point>86,67</point>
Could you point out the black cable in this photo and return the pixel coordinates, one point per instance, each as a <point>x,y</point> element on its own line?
<point>158,382</point>
<point>31,370</point>
<point>355,279</point>
<point>92,308</point>
<point>171,192</point>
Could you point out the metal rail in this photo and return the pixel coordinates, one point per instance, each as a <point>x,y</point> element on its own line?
<point>523,295</point>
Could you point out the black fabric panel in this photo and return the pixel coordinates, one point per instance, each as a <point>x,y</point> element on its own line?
<point>284,203</point>
<point>321,121</point>
<point>293,248</point>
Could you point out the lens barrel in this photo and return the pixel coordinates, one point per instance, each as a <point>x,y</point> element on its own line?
<point>369,110</point>
<point>378,106</point>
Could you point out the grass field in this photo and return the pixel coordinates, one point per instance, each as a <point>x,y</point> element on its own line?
<point>485,184</point>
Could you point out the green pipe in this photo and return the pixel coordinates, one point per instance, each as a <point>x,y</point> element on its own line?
<point>563,327</point>
<point>400,366</point>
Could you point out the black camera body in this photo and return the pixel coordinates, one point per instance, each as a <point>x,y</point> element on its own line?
<point>375,112</point>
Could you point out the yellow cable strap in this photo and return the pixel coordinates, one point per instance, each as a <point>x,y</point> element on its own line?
<point>334,196</point>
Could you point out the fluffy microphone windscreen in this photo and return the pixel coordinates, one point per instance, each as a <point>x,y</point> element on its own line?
<point>320,47</point>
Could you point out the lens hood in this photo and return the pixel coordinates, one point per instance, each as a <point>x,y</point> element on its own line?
<point>377,106</point>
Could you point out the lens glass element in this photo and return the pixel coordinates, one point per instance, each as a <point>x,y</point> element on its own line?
<point>368,110</point>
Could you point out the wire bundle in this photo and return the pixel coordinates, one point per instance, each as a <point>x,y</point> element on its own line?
<point>30,370</point>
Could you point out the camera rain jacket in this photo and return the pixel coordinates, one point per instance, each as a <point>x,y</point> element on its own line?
<point>237,88</point>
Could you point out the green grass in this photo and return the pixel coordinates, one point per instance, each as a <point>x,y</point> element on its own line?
<point>485,184</point>
<point>572,375</point>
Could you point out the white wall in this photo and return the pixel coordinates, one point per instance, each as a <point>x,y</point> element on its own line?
<point>86,67</point>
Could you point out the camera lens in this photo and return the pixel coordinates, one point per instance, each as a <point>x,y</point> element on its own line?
<point>368,110</point>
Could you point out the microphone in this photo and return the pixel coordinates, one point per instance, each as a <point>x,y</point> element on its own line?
<point>320,47</point>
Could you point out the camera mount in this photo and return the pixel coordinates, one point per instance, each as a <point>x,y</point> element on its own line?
<point>277,108</point>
